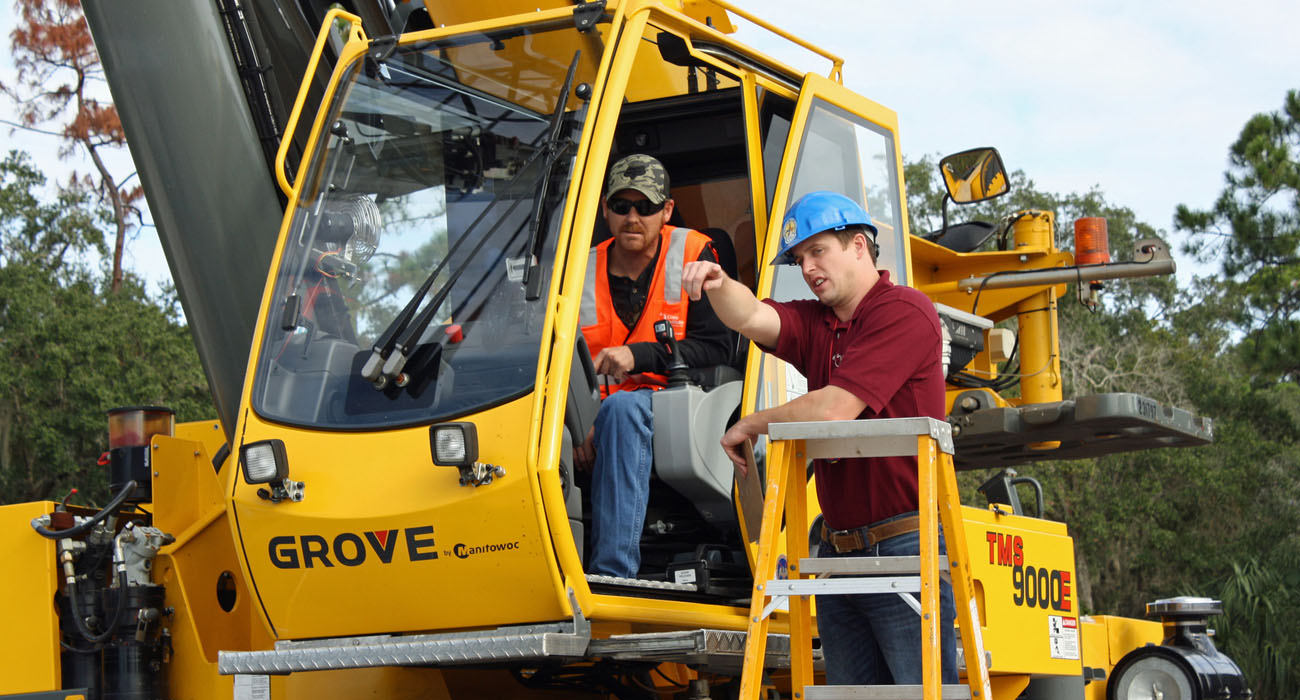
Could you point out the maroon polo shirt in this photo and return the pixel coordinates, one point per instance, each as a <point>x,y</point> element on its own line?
<point>888,355</point>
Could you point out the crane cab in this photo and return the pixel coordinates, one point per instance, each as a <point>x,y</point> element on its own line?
<point>418,380</point>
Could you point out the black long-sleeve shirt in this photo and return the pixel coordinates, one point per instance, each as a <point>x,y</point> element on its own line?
<point>708,342</point>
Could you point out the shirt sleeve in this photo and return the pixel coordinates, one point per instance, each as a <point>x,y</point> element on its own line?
<point>708,341</point>
<point>792,343</point>
<point>894,341</point>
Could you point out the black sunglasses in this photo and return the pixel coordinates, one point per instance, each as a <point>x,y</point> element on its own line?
<point>644,207</point>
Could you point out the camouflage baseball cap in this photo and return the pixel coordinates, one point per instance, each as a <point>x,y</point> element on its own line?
<point>639,172</point>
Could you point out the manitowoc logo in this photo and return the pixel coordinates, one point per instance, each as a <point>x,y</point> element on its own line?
<point>465,551</point>
<point>351,548</point>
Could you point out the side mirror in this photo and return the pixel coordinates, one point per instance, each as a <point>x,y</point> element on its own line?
<point>974,175</point>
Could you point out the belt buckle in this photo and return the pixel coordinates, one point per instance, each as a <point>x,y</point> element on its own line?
<point>854,541</point>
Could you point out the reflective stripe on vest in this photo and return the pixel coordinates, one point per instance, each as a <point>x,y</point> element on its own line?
<point>587,312</point>
<point>674,262</point>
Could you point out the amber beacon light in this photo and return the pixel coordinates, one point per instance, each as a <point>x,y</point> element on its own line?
<point>1091,241</point>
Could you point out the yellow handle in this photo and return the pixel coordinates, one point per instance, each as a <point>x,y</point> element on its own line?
<point>837,63</point>
<point>287,138</point>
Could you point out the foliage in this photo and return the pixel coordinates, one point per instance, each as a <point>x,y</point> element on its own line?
<point>57,69</point>
<point>1253,231</point>
<point>44,235</point>
<point>1249,318</point>
<point>69,348</point>
<point>1257,599</point>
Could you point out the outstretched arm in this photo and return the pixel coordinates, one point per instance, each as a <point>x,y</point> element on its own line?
<point>733,302</point>
<point>827,403</point>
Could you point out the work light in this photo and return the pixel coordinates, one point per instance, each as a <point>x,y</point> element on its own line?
<point>454,444</point>
<point>264,462</point>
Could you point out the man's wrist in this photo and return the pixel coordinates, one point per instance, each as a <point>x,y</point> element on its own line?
<point>643,357</point>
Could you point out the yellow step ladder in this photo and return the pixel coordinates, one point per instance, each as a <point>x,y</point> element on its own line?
<point>792,444</point>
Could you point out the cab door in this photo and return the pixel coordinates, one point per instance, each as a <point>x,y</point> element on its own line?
<point>842,142</point>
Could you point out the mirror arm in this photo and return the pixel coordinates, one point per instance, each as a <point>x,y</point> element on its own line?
<point>944,210</point>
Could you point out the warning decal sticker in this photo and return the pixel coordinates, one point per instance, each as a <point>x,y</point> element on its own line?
<point>1063,637</point>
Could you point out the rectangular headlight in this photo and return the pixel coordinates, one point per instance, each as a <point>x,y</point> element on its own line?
<point>454,444</point>
<point>264,462</point>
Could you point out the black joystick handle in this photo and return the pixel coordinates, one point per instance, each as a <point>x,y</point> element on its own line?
<point>676,367</point>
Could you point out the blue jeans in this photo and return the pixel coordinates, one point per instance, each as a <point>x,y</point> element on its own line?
<point>620,482</point>
<point>875,639</point>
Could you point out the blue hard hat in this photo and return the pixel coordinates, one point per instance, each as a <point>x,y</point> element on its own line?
<point>819,212</point>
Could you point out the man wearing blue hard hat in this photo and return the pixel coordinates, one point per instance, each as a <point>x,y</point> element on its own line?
<point>869,349</point>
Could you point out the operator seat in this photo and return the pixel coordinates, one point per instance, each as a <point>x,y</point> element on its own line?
<point>723,249</point>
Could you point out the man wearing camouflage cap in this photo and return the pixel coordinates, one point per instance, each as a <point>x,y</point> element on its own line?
<point>634,279</point>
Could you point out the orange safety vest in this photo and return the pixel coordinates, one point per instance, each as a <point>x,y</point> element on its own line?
<point>665,299</point>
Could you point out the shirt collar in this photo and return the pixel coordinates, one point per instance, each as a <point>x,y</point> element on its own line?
<point>828,314</point>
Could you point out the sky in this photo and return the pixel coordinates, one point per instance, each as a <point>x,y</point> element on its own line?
<point>1141,99</point>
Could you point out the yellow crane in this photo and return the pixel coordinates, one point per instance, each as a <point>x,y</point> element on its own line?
<point>387,504</point>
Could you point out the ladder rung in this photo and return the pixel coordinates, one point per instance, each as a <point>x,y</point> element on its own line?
<point>869,566</point>
<point>844,586</point>
<point>881,692</point>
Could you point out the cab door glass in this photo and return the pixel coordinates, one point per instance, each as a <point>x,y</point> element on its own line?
<point>845,153</point>
<point>774,120</point>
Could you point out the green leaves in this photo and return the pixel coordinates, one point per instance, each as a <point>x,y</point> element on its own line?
<point>1253,232</point>
<point>49,235</point>
<point>69,349</point>
<point>1258,598</point>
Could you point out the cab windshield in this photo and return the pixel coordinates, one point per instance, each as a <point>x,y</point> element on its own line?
<point>427,219</point>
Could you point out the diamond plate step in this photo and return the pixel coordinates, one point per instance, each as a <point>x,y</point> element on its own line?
<point>509,644</point>
<point>600,579</point>
<point>714,651</point>
<point>556,640</point>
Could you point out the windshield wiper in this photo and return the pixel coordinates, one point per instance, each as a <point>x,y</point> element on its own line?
<point>395,345</point>
<point>554,149</point>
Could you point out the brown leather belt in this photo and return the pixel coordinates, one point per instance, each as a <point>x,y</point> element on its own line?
<point>863,537</point>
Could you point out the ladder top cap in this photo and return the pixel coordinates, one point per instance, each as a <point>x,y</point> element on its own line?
<point>877,428</point>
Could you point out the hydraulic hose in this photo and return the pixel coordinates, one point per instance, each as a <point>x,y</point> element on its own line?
<point>94,520</point>
<point>117,610</point>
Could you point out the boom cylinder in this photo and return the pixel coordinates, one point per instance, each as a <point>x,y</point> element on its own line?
<point>1040,356</point>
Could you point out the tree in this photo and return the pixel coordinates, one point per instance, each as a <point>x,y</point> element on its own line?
<point>1257,600</point>
<point>1253,231</point>
<point>57,67</point>
<point>70,349</point>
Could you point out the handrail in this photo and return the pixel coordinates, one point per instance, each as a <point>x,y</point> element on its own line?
<point>292,125</point>
<point>837,63</point>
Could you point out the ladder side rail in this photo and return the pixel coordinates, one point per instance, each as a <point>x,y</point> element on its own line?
<point>796,548</point>
<point>962,581</point>
<point>927,496</point>
<point>780,455</point>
